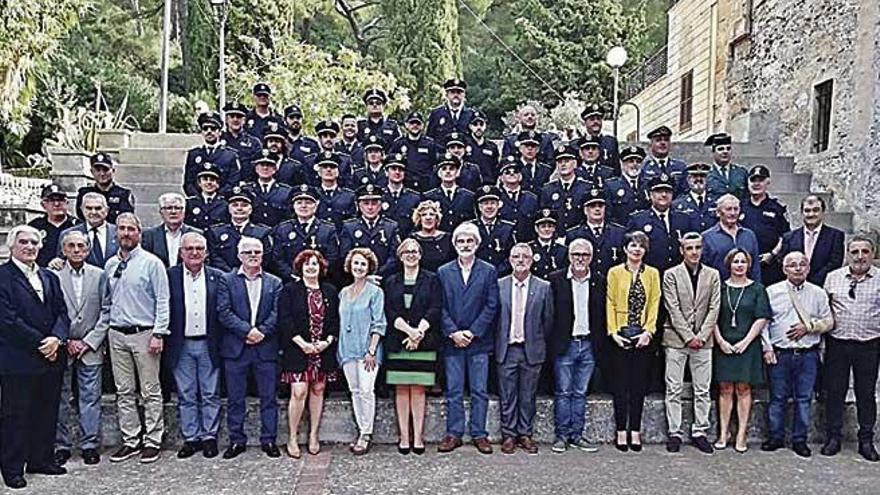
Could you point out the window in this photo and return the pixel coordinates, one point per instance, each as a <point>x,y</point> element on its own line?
<point>822,115</point>
<point>686,106</point>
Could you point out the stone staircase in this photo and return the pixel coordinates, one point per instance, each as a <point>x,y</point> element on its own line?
<point>152,164</point>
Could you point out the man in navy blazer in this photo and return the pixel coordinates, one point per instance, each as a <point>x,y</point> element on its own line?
<point>96,226</point>
<point>823,244</point>
<point>247,305</point>
<point>470,289</point>
<point>192,347</point>
<point>33,330</point>
<point>156,239</point>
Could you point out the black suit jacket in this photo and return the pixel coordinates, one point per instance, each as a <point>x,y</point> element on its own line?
<point>827,253</point>
<point>25,321</point>
<point>293,320</point>
<point>153,240</point>
<point>427,304</point>
<point>560,334</point>
<point>177,322</point>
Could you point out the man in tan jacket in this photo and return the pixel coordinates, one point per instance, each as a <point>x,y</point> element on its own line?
<point>692,295</point>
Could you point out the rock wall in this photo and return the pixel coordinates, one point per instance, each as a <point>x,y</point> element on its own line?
<point>794,45</point>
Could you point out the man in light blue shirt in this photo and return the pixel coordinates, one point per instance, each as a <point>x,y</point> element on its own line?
<point>727,234</point>
<point>136,304</point>
<point>801,314</point>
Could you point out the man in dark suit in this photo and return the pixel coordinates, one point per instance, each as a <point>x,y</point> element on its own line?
<point>164,240</point>
<point>33,330</point>
<point>470,287</point>
<point>247,305</point>
<point>823,244</point>
<point>575,342</point>
<point>525,317</point>
<point>191,350</point>
<point>101,233</point>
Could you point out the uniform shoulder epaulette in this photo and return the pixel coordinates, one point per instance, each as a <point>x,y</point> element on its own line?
<point>615,224</point>
<point>506,222</point>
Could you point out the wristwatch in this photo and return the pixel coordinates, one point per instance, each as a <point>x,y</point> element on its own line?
<point>371,353</point>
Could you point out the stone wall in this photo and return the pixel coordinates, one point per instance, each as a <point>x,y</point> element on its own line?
<point>794,45</point>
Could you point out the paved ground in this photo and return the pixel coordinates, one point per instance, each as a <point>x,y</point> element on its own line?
<point>384,471</point>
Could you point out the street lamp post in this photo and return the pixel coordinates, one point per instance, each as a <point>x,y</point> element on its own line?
<point>220,9</point>
<point>615,59</point>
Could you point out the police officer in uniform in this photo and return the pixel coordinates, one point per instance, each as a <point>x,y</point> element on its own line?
<point>725,177</point>
<point>55,220</point>
<point>301,145</point>
<point>371,230</point>
<point>456,203</point>
<point>663,225</point>
<point>567,193</point>
<point>497,235</point>
<point>373,171</point>
<point>469,176</point>
<point>452,116</point>
<point>348,143</point>
<point>629,192</point>
<point>399,201</point>
<point>768,219</point>
<point>517,204</point>
<point>696,203</point>
<point>480,150</point>
<point>271,198</point>
<point>213,151</point>
<point>527,118</point>
<point>119,199</point>
<point>255,120</point>
<point>593,117</point>
<point>223,238</point>
<point>327,131</point>
<point>336,203</point>
<point>208,207</point>
<point>535,173</point>
<point>591,169</point>
<point>376,124</point>
<point>605,236</point>
<point>548,250</point>
<point>659,162</point>
<point>304,231</point>
<point>421,154</point>
<point>290,171</point>
<point>236,137</point>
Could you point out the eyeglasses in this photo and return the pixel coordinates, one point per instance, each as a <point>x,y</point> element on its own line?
<point>194,248</point>
<point>410,251</point>
<point>251,253</point>
<point>580,255</point>
<point>172,208</point>
<point>852,288</point>
<point>120,268</point>
<point>210,128</point>
<point>510,171</point>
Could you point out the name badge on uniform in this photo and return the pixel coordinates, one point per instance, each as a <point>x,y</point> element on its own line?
<point>771,214</point>
<point>113,199</point>
<point>386,131</point>
<point>488,152</point>
<point>305,149</point>
<point>420,150</point>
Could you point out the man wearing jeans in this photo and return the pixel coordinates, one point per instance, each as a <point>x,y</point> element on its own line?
<point>572,346</point>
<point>470,287</point>
<point>137,303</point>
<point>791,350</point>
<point>692,294</point>
<point>84,286</point>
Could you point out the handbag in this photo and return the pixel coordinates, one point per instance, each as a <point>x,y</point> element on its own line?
<point>631,333</point>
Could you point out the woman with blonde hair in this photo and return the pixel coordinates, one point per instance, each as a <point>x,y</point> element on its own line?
<point>436,244</point>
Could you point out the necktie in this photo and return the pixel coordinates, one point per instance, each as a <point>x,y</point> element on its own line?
<point>662,217</point>
<point>724,172</point>
<point>597,232</point>
<point>809,242</point>
<point>519,310</point>
<point>699,202</point>
<point>97,248</point>
<point>634,184</point>
<point>449,194</point>
<point>265,188</point>
<point>565,187</point>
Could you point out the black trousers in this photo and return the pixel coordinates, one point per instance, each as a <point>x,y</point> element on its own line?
<point>629,384</point>
<point>28,418</point>
<point>862,358</point>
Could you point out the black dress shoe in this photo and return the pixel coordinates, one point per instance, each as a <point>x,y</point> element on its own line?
<point>868,451</point>
<point>209,449</point>
<point>271,450</point>
<point>189,449</point>
<point>234,451</point>
<point>623,447</point>
<point>16,482</point>
<point>702,444</point>
<point>801,449</point>
<point>49,469</point>
<point>62,456</point>
<point>831,447</point>
<point>418,450</point>
<point>673,445</point>
<point>91,456</point>
<point>772,445</point>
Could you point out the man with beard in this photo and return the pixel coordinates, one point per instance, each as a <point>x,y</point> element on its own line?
<point>696,203</point>
<point>453,115</point>
<point>224,158</point>
<point>236,137</point>
<point>480,150</point>
<point>659,162</point>
<point>628,193</point>
<point>301,146</point>
<point>527,118</point>
<point>421,154</point>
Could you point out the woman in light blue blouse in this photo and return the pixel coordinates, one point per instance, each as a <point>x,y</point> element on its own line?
<point>361,327</point>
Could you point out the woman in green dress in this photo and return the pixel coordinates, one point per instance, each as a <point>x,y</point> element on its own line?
<point>412,308</point>
<point>745,311</point>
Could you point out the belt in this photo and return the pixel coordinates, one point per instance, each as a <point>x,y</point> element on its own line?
<point>196,337</point>
<point>130,330</point>
<point>516,344</point>
<point>796,351</point>
<point>579,338</point>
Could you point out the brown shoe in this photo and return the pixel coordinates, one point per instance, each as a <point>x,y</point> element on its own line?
<point>508,445</point>
<point>529,445</point>
<point>483,445</point>
<point>448,444</point>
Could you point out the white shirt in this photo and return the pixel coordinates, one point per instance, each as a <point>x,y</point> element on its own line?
<point>254,290</point>
<point>580,297</point>
<point>33,276</point>
<point>812,299</point>
<point>466,270</point>
<point>172,242</point>
<point>518,318</point>
<point>195,300</point>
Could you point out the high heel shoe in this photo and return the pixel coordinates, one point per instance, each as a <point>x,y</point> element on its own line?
<point>403,450</point>
<point>623,447</point>
<point>418,450</point>
<point>314,449</point>
<point>741,450</point>
<point>721,445</point>
<point>635,447</point>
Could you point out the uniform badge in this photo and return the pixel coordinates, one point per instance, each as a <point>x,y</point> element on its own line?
<point>555,196</point>
<point>403,149</point>
<point>621,192</point>
<point>648,228</point>
<point>222,142</point>
<point>366,130</point>
<point>422,150</point>
<point>198,159</point>
<point>771,214</point>
<point>358,234</point>
<point>250,122</point>
<point>365,179</point>
<point>442,120</point>
<point>467,149</point>
<point>536,257</point>
<point>223,237</point>
<point>113,199</point>
<point>488,152</point>
<point>43,234</point>
<point>385,205</point>
<point>206,166</point>
<point>291,235</point>
<point>196,210</point>
<point>568,205</point>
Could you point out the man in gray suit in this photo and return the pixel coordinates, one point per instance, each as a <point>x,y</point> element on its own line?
<point>83,286</point>
<point>692,294</point>
<point>164,240</point>
<point>525,320</point>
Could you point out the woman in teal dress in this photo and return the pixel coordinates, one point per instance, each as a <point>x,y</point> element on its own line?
<point>738,365</point>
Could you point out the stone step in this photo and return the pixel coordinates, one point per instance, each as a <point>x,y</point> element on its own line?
<point>153,156</point>
<point>338,426</point>
<point>151,140</point>
<point>136,173</point>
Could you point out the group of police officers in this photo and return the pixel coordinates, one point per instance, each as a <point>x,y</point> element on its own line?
<point>357,183</point>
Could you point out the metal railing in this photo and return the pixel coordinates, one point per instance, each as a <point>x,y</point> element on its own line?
<point>646,73</point>
<point>22,192</point>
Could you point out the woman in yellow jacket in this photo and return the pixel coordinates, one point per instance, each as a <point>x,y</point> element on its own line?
<point>633,302</point>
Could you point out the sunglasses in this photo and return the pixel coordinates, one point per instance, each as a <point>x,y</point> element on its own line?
<point>210,128</point>
<point>852,289</point>
<point>120,268</point>
<point>722,148</point>
<point>251,253</point>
